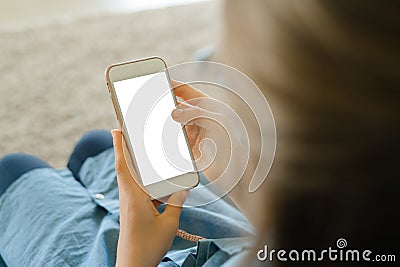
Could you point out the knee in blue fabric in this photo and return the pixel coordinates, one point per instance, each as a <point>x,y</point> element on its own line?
<point>12,166</point>
<point>91,143</point>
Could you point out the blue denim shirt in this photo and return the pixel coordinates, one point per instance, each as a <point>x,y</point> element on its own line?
<point>47,218</point>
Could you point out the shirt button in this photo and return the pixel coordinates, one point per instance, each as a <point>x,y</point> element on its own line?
<point>99,196</point>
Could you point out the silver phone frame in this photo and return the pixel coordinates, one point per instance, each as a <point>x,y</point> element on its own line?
<point>136,68</point>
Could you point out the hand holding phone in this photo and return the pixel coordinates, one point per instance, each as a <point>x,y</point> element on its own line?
<point>205,121</point>
<point>141,226</point>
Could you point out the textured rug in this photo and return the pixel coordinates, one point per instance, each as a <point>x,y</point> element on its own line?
<point>52,78</point>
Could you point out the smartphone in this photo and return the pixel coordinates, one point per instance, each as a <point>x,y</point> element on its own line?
<point>143,99</point>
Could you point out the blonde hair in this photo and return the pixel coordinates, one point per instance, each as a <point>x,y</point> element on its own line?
<point>330,70</point>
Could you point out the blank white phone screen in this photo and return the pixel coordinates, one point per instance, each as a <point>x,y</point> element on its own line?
<point>146,104</point>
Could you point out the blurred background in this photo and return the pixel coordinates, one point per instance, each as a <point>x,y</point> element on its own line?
<point>53,55</point>
<point>27,13</point>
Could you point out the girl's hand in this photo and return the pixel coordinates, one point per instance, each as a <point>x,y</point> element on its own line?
<point>209,128</point>
<point>224,160</point>
<point>145,234</point>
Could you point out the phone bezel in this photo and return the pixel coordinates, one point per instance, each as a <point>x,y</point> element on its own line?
<point>136,68</point>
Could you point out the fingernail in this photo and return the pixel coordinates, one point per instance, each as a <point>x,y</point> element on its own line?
<point>114,132</point>
<point>177,113</point>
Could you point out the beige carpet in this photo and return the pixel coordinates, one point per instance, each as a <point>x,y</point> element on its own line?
<point>52,78</point>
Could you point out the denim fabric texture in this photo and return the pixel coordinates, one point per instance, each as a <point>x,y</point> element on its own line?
<point>48,218</point>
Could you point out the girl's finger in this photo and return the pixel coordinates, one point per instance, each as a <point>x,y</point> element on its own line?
<point>120,163</point>
<point>185,91</point>
<point>193,115</point>
<point>173,208</point>
<point>124,176</point>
